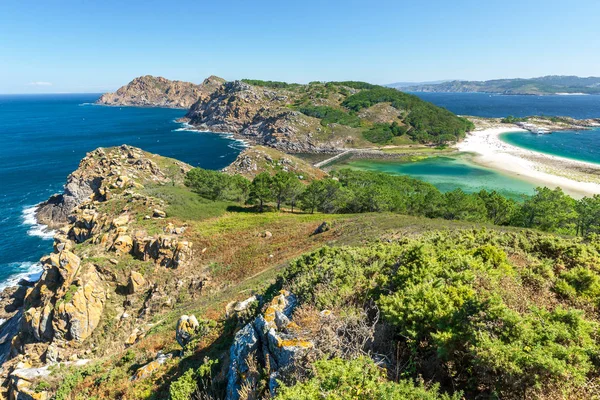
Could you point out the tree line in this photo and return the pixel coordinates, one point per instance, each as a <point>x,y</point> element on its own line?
<point>352,191</point>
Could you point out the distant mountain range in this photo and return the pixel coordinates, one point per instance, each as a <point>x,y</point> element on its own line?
<point>545,85</point>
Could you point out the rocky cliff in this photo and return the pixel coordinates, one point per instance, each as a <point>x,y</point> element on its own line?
<point>150,91</point>
<point>90,272</point>
<point>100,173</point>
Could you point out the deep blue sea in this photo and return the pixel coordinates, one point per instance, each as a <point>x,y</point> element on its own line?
<point>42,140</point>
<point>499,106</point>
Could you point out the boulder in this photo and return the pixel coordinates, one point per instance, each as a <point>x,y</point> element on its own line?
<point>324,227</point>
<point>123,244</point>
<point>156,213</point>
<point>148,369</point>
<point>187,327</point>
<point>136,282</point>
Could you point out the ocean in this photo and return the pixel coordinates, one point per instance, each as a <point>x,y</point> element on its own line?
<point>499,106</point>
<point>42,140</point>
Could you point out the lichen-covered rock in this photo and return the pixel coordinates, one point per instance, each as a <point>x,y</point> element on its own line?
<point>148,369</point>
<point>187,327</point>
<point>77,317</point>
<point>22,383</point>
<point>268,338</point>
<point>136,282</point>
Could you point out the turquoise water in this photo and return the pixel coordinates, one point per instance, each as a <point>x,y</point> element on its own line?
<point>448,174</point>
<point>580,145</point>
<point>42,139</point>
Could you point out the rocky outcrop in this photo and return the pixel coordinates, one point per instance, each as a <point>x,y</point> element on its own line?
<point>100,173</point>
<point>150,91</point>
<point>257,159</point>
<point>261,115</point>
<point>270,341</point>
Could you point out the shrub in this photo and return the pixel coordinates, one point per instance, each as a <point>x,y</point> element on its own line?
<point>357,379</point>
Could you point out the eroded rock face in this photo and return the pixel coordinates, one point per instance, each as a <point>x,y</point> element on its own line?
<point>259,114</point>
<point>76,319</point>
<point>101,172</point>
<point>154,91</point>
<point>267,338</point>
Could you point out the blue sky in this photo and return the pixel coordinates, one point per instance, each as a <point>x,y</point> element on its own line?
<point>94,46</point>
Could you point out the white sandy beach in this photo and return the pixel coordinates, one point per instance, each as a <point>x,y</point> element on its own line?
<point>528,165</point>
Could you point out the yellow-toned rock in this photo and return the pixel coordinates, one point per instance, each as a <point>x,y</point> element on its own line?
<point>78,313</point>
<point>123,244</point>
<point>136,282</point>
<point>121,220</point>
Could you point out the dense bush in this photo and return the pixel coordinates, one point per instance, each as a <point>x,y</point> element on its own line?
<point>330,115</point>
<point>426,121</point>
<point>356,379</point>
<point>466,315</point>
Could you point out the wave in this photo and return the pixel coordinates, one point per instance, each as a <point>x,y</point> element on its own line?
<point>30,271</point>
<point>238,143</point>
<point>36,229</point>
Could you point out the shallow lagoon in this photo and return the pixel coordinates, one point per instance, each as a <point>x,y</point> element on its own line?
<point>448,173</point>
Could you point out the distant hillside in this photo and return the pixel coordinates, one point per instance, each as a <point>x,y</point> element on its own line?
<point>545,85</point>
<point>151,91</point>
<point>398,85</point>
<point>324,116</point>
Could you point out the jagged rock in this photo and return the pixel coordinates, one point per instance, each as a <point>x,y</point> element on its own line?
<point>136,282</point>
<point>187,327</point>
<point>148,369</point>
<point>21,383</point>
<point>76,319</point>
<point>160,92</point>
<point>267,338</point>
<point>172,230</point>
<point>121,220</point>
<point>99,171</point>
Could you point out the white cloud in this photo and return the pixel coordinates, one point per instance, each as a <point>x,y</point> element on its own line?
<point>40,83</point>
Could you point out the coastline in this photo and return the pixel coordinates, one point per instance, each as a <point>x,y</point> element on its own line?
<point>574,177</point>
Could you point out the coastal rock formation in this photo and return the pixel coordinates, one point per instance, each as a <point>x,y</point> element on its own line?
<point>257,159</point>
<point>99,174</point>
<point>260,114</point>
<point>268,341</point>
<point>153,91</point>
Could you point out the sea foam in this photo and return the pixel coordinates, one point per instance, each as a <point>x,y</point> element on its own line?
<point>30,271</point>
<point>36,229</point>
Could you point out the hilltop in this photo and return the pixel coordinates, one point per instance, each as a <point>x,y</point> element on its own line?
<point>324,116</point>
<point>151,91</point>
<point>553,84</point>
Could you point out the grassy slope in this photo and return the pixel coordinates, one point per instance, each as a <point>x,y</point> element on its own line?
<point>240,263</point>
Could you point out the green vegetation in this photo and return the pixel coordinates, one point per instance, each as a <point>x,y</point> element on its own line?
<point>351,191</point>
<point>356,379</point>
<point>384,133</point>
<point>330,115</point>
<point>426,122</point>
<point>271,84</point>
<point>464,311</point>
